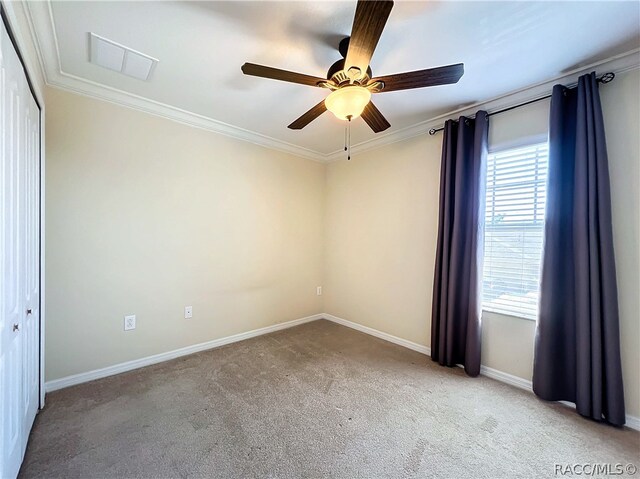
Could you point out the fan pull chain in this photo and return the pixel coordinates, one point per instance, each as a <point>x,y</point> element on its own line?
<point>345,137</point>
<point>349,141</point>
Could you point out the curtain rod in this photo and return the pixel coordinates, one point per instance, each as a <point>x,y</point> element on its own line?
<point>605,78</point>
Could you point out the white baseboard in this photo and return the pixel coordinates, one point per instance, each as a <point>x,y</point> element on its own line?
<point>506,378</point>
<point>379,334</point>
<point>632,422</point>
<point>158,358</point>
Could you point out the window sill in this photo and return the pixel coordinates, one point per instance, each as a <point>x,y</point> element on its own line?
<point>507,315</point>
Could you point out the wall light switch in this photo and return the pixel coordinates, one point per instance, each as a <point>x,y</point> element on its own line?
<point>319,290</point>
<point>130,322</point>
<point>188,312</point>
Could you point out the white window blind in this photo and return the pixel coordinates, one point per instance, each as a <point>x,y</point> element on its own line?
<point>514,230</point>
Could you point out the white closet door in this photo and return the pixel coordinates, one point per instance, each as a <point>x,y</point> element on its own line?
<point>19,256</point>
<point>11,352</point>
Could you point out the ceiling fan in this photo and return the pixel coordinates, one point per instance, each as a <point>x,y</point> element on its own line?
<point>350,79</point>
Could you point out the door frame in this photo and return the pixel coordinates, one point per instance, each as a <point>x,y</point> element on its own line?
<point>9,20</point>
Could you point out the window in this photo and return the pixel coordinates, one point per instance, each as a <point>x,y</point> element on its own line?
<point>514,230</point>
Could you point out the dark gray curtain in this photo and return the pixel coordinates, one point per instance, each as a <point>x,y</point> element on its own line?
<point>456,310</point>
<point>577,350</point>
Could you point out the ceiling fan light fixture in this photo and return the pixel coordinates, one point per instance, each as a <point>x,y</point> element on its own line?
<point>348,101</point>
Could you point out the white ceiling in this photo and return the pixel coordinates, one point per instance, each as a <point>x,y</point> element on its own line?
<point>505,46</point>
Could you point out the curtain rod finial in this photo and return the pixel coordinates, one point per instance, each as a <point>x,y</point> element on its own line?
<point>607,77</point>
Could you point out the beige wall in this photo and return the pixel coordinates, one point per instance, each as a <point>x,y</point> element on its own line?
<point>381,226</point>
<point>621,105</point>
<point>146,216</point>
<point>380,237</point>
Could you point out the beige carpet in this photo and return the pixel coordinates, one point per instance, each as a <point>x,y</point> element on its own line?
<point>319,400</point>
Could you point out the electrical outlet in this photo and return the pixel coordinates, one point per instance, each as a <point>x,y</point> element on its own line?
<point>130,322</point>
<point>319,290</point>
<point>188,312</point>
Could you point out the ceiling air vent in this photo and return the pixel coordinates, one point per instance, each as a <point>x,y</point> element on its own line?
<point>112,55</point>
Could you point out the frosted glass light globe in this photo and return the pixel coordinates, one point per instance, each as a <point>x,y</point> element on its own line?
<point>348,101</point>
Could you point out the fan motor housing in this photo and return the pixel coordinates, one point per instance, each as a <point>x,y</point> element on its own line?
<point>343,46</point>
<point>337,74</point>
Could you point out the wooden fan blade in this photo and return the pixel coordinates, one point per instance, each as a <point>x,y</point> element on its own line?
<point>422,78</point>
<point>368,23</point>
<point>374,118</point>
<point>308,117</point>
<point>283,75</point>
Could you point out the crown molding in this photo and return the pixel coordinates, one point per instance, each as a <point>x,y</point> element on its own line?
<point>23,35</point>
<point>41,24</point>
<point>75,84</point>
